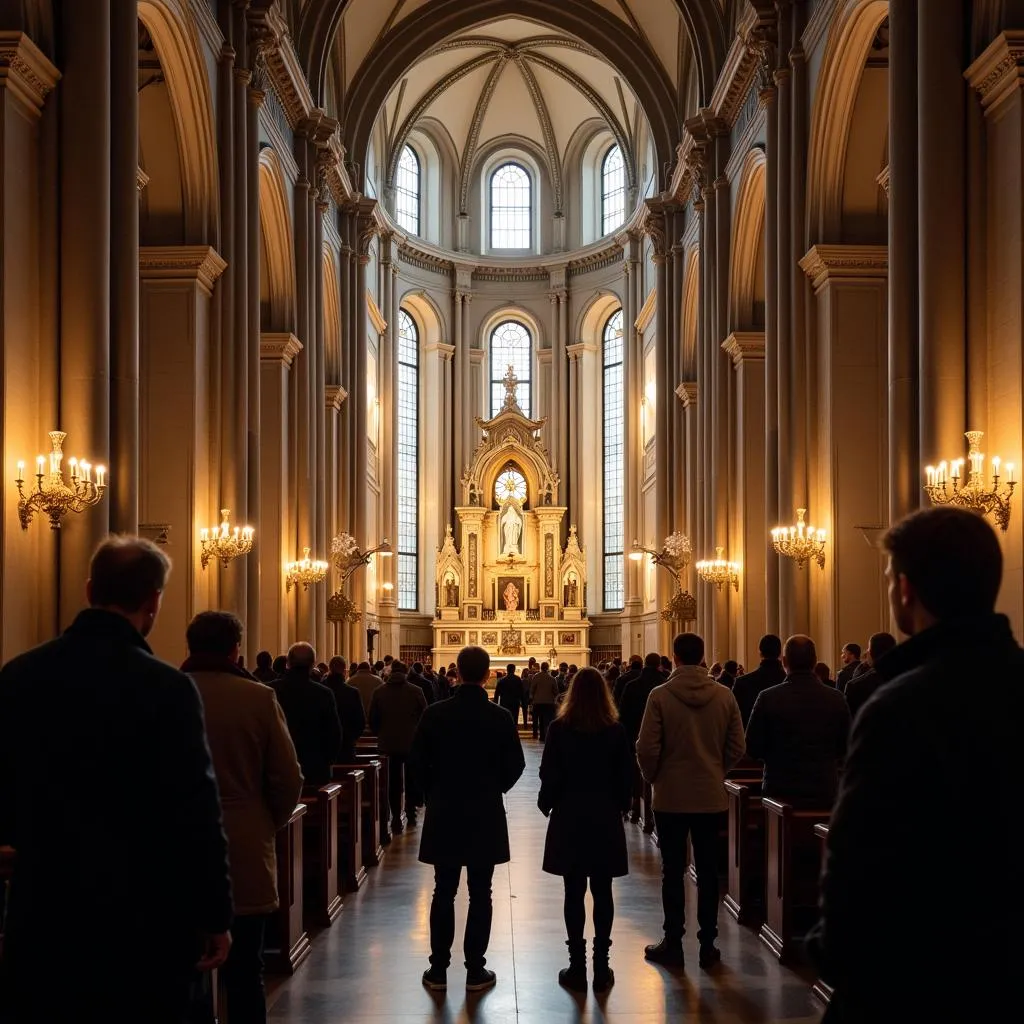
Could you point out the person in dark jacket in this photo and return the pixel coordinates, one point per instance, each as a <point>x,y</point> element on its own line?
<point>634,698</point>
<point>633,670</point>
<point>939,742</point>
<point>748,687</point>
<point>862,686</point>
<point>851,663</point>
<point>311,713</point>
<point>137,847</point>
<point>349,702</point>
<point>543,698</point>
<point>586,782</point>
<point>824,674</point>
<point>727,677</point>
<point>799,729</point>
<point>395,711</point>
<point>510,693</point>
<point>264,671</point>
<point>416,677</point>
<point>466,754</point>
<point>280,665</point>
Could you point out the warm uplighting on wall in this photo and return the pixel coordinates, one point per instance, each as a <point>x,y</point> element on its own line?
<point>53,496</point>
<point>945,485</point>
<point>647,412</point>
<point>304,572</point>
<point>719,571</point>
<point>224,542</point>
<point>802,542</point>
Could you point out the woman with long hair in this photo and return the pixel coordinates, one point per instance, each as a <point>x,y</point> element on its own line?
<point>586,784</point>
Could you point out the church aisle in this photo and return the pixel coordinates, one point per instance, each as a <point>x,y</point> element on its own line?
<point>366,969</point>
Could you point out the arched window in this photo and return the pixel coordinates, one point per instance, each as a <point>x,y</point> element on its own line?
<point>407,191</point>
<point>511,207</point>
<point>613,190</point>
<point>408,462</point>
<point>612,463</point>
<point>511,345</point>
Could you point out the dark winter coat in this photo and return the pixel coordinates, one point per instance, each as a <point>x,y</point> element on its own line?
<point>466,754</point>
<point>312,718</point>
<point>634,700</point>
<point>395,711</point>
<point>510,692</point>
<point>349,702</point>
<point>624,680</point>
<point>586,785</point>
<point>748,687</point>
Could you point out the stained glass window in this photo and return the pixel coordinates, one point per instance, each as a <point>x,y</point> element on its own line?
<point>408,462</point>
<point>407,191</point>
<point>511,345</point>
<point>510,207</point>
<point>613,468</point>
<point>613,190</point>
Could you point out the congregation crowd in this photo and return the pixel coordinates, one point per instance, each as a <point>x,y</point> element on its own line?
<point>166,848</point>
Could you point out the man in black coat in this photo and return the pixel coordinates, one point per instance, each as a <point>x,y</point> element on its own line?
<point>107,794</point>
<point>862,686</point>
<point>851,663</point>
<point>466,754</point>
<point>311,714</point>
<point>900,938</point>
<point>510,693</point>
<point>636,667</point>
<point>748,687</point>
<point>799,729</point>
<point>634,697</point>
<point>349,703</point>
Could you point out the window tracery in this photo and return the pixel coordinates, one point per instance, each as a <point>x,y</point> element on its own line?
<point>511,208</point>
<point>511,345</point>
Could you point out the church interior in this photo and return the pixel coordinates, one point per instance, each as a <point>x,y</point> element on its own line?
<point>548,326</point>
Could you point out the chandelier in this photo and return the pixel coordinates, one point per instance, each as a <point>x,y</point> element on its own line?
<point>224,543</point>
<point>53,496</point>
<point>719,572</point>
<point>972,494</point>
<point>341,608</point>
<point>306,571</point>
<point>682,607</point>
<point>802,542</point>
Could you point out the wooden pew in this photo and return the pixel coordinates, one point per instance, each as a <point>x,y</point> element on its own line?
<point>373,850</point>
<point>793,862</point>
<point>821,989</point>
<point>747,770</point>
<point>321,890</point>
<point>350,830</point>
<point>287,941</point>
<point>366,751</point>
<point>744,896</point>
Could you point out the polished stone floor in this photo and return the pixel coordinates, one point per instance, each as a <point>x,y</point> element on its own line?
<point>366,968</point>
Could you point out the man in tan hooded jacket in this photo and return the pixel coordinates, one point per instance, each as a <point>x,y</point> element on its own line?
<point>690,736</point>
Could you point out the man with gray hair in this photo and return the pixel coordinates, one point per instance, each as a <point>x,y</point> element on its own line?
<point>95,705</point>
<point>311,713</point>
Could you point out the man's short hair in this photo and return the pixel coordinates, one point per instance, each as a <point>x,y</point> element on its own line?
<point>510,669</point>
<point>126,571</point>
<point>264,659</point>
<point>336,666</point>
<point>635,659</point>
<point>364,666</point>
<point>475,664</point>
<point>417,667</point>
<point>563,666</point>
<point>801,654</point>
<point>770,646</point>
<point>388,659</point>
<point>731,667</point>
<point>688,648</point>
<point>399,667</point>
<point>880,644</point>
<point>301,655</point>
<point>952,559</point>
<point>822,671</point>
<point>853,649</point>
<point>653,660</point>
<point>216,633</point>
<point>544,666</point>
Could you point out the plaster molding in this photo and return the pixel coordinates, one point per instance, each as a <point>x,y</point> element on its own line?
<point>380,325</point>
<point>443,350</point>
<point>335,395</point>
<point>824,263</point>
<point>687,393</point>
<point>25,71</point>
<point>883,180</point>
<point>141,179</point>
<point>209,30</point>
<point>999,71</point>
<point>473,137</point>
<point>201,263</point>
<point>547,129</point>
<point>647,310</point>
<point>744,346</point>
<point>279,347</point>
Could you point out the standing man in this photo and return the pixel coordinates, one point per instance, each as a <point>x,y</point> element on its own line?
<point>364,679</point>
<point>862,686</point>
<point>770,672</point>
<point>260,784</point>
<point>466,755</point>
<point>940,738</point>
<point>691,735</point>
<point>510,694</point>
<point>138,845</point>
<point>851,663</point>
<point>349,702</point>
<point>544,698</point>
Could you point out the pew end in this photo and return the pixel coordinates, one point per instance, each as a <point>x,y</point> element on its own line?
<point>287,943</point>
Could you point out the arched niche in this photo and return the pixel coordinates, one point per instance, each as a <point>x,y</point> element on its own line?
<point>595,315</point>
<point>429,320</point>
<point>747,274</point>
<point>854,28</point>
<point>332,318</point>
<point>170,27</point>
<point>277,262</point>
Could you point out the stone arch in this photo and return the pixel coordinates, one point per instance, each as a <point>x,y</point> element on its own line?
<point>592,318</point>
<point>332,318</point>
<point>277,261</point>
<point>691,301</point>
<point>748,242</point>
<point>424,311</point>
<point>853,29</point>
<point>171,29</point>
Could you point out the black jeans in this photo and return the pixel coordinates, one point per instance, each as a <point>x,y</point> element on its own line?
<point>442,914</point>
<point>703,832</point>
<point>543,714</point>
<point>575,910</point>
<point>401,780</point>
<point>243,971</point>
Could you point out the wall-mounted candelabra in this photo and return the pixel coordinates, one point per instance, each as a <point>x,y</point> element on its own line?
<point>53,496</point>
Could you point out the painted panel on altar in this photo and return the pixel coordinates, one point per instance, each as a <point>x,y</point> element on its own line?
<point>511,593</point>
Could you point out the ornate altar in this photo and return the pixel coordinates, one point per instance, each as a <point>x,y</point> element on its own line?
<point>509,585</point>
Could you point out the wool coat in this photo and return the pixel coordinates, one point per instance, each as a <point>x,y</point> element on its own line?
<point>350,714</point>
<point>312,717</point>
<point>586,786</point>
<point>395,711</point>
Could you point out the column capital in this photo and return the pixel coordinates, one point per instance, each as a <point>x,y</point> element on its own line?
<point>25,71</point>
<point>824,263</point>
<point>443,350</point>
<point>141,179</point>
<point>999,71</point>
<point>744,346</point>
<point>279,347</point>
<point>200,263</point>
<point>334,393</point>
<point>687,393</point>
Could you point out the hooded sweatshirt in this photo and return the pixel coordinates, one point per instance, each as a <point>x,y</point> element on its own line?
<point>691,735</point>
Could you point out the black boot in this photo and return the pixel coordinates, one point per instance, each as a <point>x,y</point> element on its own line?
<point>574,977</point>
<point>604,976</point>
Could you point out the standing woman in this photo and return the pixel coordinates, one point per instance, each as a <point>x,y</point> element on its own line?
<point>586,782</point>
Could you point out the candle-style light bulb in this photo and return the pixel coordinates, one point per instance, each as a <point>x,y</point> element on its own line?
<point>101,473</point>
<point>21,472</point>
<point>40,462</point>
<point>1009,473</point>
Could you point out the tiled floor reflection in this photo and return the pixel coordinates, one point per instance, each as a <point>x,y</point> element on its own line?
<point>367,967</point>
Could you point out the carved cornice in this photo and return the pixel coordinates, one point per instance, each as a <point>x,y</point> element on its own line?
<point>335,395</point>
<point>425,261</point>
<point>736,78</point>
<point>744,346</point>
<point>654,226</point>
<point>595,261</point>
<point>850,262</point>
<point>999,70</point>
<point>687,393</point>
<point>201,263</point>
<point>25,71</point>
<point>279,347</point>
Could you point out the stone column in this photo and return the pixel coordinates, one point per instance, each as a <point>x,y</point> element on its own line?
<point>575,397</point>
<point>387,600</point>
<point>470,433</point>
<point>320,211</point>
<point>334,397</point>
<point>632,375</point>
<point>562,406</point>
<point>459,409</point>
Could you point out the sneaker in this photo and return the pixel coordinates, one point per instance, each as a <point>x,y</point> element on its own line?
<point>709,956</point>
<point>668,954</point>
<point>480,979</point>
<point>436,979</point>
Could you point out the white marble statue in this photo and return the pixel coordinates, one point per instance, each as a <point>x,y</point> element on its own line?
<point>511,529</point>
